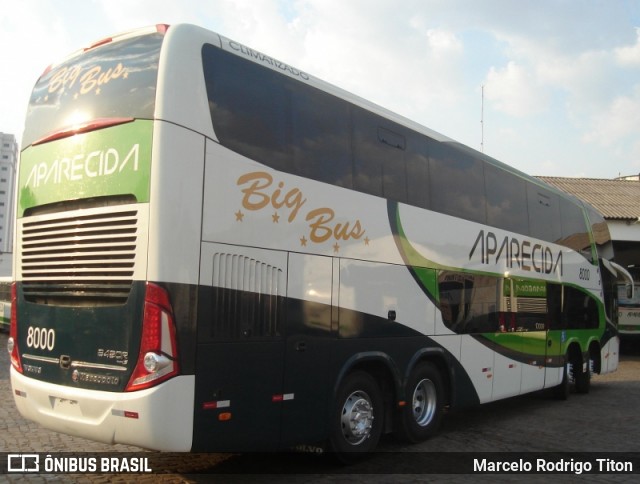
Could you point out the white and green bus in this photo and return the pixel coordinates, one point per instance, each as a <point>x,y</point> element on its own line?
<point>216,251</point>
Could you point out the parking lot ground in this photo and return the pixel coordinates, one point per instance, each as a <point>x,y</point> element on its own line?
<point>602,422</point>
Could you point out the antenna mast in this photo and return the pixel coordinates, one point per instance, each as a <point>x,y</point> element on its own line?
<point>482,121</point>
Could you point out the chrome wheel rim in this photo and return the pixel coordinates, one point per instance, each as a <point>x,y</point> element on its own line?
<point>423,402</point>
<point>357,418</point>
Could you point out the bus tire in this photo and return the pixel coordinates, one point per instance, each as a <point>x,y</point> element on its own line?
<point>357,420</point>
<point>562,391</point>
<point>582,378</point>
<point>420,417</point>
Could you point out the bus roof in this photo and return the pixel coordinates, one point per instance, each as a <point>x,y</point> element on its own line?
<point>184,34</point>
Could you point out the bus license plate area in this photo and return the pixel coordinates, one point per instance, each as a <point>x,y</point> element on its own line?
<point>65,406</point>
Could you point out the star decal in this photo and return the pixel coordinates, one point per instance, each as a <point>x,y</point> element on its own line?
<point>239,216</point>
<point>367,240</point>
<point>303,241</point>
<point>336,248</point>
<point>276,218</point>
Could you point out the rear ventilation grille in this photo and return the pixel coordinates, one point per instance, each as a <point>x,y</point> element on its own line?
<point>80,258</point>
<point>247,297</point>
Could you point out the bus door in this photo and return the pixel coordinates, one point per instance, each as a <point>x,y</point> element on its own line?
<point>508,368</point>
<point>556,334</point>
<point>530,323</point>
<point>240,351</point>
<point>522,330</point>
<point>310,291</point>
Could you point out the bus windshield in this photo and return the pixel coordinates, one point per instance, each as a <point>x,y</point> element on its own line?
<point>117,79</point>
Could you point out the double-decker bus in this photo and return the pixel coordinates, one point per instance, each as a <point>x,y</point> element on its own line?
<point>218,251</point>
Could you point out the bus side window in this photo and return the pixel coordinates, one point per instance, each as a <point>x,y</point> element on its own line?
<point>544,213</point>
<point>378,156</point>
<point>417,166</point>
<point>580,310</point>
<point>506,200</point>
<point>574,228</point>
<point>468,303</point>
<point>451,294</point>
<point>249,108</point>
<point>321,142</point>
<point>456,183</point>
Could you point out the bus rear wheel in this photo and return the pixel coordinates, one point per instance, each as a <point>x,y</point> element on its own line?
<point>562,391</point>
<point>356,423</point>
<point>574,378</point>
<point>420,418</point>
<point>583,378</point>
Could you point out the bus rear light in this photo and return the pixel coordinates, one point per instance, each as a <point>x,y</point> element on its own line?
<point>46,71</point>
<point>12,343</point>
<point>157,359</point>
<point>106,40</point>
<point>84,127</point>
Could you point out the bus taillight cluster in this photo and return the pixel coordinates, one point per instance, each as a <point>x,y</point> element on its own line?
<point>12,343</point>
<point>157,359</point>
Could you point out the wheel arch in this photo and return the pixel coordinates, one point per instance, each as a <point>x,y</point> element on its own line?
<point>579,353</point>
<point>386,373</point>
<point>437,357</point>
<point>595,354</point>
<point>574,350</point>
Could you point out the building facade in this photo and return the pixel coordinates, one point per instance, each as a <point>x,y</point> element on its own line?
<point>8,160</point>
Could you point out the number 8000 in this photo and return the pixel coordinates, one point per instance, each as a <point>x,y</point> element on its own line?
<point>41,338</point>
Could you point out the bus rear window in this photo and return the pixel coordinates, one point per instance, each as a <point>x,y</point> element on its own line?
<point>114,80</point>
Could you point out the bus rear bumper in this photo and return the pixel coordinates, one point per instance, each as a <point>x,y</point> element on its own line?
<point>159,418</point>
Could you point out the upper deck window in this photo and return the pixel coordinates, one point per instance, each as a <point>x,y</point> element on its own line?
<point>114,80</point>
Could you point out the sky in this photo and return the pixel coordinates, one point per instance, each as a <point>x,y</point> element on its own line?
<point>551,87</point>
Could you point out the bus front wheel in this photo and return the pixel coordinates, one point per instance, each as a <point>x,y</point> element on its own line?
<point>357,420</point>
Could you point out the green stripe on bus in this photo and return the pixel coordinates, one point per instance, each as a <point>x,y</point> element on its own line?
<point>111,161</point>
